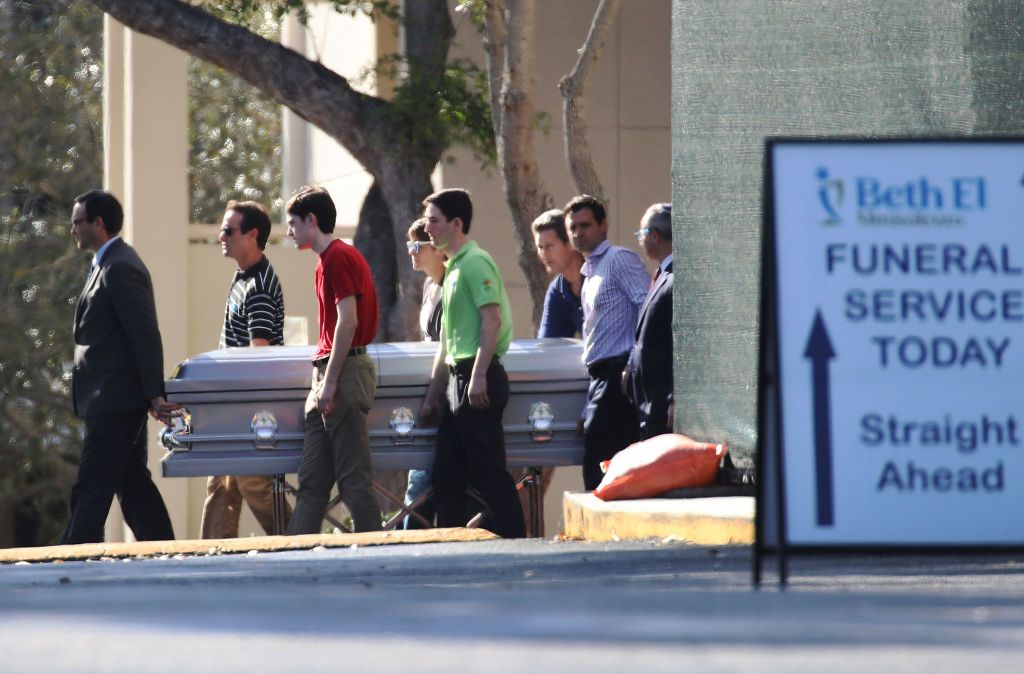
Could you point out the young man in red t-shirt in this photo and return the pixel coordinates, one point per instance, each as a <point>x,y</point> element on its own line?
<point>336,447</point>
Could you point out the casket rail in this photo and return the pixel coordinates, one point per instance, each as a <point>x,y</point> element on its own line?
<point>244,408</point>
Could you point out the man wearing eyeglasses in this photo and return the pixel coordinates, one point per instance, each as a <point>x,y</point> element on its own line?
<point>613,290</point>
<point>118,375</point>
<point>253,316</point>
<point>648,376</point>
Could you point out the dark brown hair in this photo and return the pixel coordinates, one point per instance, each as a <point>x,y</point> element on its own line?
<point>253,216</point>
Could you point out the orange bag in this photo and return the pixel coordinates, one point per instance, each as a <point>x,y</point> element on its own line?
<point>660,464</point>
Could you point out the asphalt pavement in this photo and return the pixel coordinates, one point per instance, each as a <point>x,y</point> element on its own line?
<point>513,606</point>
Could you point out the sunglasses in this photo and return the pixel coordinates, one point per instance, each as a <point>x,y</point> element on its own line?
<point>228,231</point>
<point>414,247</point>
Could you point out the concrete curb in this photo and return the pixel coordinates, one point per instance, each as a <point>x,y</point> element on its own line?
<point>702,521</point>
<point>239,545</point>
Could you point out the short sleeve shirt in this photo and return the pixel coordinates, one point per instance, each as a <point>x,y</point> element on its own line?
<point>255,307</point>
<point>471,281</point>
<point>342,271</point>
<point>563,311</point>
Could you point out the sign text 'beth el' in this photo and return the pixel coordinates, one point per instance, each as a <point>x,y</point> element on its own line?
<point>900,309</point>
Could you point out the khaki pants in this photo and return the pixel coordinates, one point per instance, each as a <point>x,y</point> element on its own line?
<point>223,504</point>
<point>336,450</point>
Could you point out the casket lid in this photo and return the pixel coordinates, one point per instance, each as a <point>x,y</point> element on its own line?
<point>244,369</point>
<point>409,363</point>
<point>398,364</point>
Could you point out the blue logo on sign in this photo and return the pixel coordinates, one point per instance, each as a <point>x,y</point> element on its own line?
<point>830,194</point>
<point>922,194</point>
<point>920,200</point>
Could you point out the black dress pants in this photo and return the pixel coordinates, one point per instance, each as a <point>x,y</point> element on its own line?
<point>114,463</point>
<point>471,451</point>
<point>609,420</point>
<point>651,402</point>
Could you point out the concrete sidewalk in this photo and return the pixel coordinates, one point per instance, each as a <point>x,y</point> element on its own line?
<point>725,520</point>
<point>251,544</point>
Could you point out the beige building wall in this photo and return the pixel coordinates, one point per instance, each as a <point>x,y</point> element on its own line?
<point>347,45</point>
<point>628,117</point>
<point>146,148</point>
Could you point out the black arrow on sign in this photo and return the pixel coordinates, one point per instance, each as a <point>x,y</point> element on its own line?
<point>819,351</point>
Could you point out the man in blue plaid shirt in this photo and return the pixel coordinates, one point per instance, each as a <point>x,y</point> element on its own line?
<point>615,286</point>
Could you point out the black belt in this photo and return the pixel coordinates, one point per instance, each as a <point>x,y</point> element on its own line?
<point>607,365</point>
<point>465,366</point>
<point>354,351</point>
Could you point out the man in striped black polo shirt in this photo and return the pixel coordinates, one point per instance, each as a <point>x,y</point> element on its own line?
<point>254,316</point>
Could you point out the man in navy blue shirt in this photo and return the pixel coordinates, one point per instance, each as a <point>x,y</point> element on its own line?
<point>563,311</point>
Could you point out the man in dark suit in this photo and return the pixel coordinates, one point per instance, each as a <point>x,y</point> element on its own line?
<point>648,374</point>
<point>117,378</point>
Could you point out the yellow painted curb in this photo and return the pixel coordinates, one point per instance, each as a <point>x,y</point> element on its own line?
<point>239,545</point>
<point>702,521</point>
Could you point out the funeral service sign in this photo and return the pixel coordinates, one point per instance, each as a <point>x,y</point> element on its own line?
<point>897,300</point>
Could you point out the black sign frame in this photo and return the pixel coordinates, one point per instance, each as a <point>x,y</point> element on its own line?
<point>770,512</point>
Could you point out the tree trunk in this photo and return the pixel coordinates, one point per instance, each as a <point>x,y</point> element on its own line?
<point>512,34</point>
<point>395,150</point>
<point>573,86</point>
<point>6,524</point>
<point>375,240</point>
<point>405,190</point>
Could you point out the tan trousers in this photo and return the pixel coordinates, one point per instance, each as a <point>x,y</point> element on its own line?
<point>223,504</point>
<point>336,450</point>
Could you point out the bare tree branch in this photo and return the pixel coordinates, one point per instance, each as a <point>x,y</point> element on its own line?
<point>524,189</point>
<point>495,44</point>
<point>573,87</point>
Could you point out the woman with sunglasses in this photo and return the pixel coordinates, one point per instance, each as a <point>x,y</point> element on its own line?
<point>430,260</point>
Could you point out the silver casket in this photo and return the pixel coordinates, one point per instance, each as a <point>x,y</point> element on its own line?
<point>244,408</point>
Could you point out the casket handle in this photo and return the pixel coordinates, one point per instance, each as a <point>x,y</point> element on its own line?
<point>403,425</point>
<point>171,434</point>
<point>542,422</point>
<point>264,425</point>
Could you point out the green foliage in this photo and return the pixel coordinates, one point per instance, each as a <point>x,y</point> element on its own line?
<point>466,110</point>
<point>463,111</point>
<point>457,114</point>
<point>235,136</point>
<point>476,10</point>
<point>245,12</point>
<point>51,76</point>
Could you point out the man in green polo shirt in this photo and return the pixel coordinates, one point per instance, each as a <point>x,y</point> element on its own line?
<point>476,328</point>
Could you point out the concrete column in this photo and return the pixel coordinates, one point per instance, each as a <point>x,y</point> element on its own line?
<point>294,129</point>
<point>113,106</point>
<point>113,168</point>
<point>156,202</point>
<point>744,71</point>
